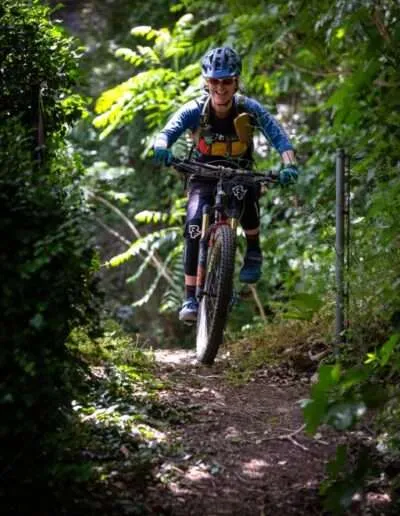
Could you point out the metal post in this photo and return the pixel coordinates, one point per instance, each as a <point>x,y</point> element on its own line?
<point>340,191</point>
<point>347,256</point>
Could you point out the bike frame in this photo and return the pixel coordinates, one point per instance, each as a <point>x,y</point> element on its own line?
<point>208,231</point>
<point>220,216</point>
<point>217,245</point>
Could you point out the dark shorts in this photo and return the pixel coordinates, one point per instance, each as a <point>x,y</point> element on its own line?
<point>201,194</point>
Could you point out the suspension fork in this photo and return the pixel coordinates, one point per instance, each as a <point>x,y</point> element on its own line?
<point>233,223</point>
<point>203,251</point>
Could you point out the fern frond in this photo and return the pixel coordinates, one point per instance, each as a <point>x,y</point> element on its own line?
<point>139,83</point>
<point>171,301</point>
<point>150,291</point>
<point>172,298</point>
<point>142,268</point>
<point>146,244</point>
<point>155,217</point>
<point>129,55</point>
<point>149,55</point>
<point>145,31</point>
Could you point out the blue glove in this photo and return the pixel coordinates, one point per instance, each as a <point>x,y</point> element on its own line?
<point>162,155</point>
<point>288,175</point>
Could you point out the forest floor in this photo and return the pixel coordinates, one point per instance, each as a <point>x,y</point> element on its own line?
<point>244,450</point>
<point>176,438</point>
<point>235,448</point>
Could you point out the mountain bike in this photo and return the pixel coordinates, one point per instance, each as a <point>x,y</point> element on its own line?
<point>217,247</point>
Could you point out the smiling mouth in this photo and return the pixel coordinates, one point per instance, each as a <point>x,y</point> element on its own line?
<point>220,96</point>
<point>223,103</point>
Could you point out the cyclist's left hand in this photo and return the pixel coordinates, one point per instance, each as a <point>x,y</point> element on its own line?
<point>162,156</point>
<point>288,175</point>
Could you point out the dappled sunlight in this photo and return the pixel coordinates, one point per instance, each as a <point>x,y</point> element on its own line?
<point>378,499</point>
<point>232,433</point>
<point>255,468</point>
<point>175,356</point>
<point>230,447</point>
<point>196,473</point>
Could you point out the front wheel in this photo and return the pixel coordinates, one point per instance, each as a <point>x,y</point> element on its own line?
<point>214,305</point>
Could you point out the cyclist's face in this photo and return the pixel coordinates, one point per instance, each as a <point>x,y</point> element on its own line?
<point>222,91</point>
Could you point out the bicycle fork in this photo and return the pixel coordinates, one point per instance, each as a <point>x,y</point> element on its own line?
<point>204,244</point>
<point>203,251</point>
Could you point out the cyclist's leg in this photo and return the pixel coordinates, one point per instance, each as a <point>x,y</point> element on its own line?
<point>200,194</point>
<point>250,222</point>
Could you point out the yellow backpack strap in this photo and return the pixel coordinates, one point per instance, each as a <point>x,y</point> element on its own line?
<point>243,121</point>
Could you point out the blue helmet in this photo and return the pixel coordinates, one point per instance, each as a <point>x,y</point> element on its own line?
<point>221,62</point>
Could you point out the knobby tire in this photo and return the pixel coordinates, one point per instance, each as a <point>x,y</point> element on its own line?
<point>214,306</point>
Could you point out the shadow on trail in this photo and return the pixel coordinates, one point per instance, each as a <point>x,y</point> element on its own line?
<point>244,452</point>
<point>183,441</point>
<point>236,454</point>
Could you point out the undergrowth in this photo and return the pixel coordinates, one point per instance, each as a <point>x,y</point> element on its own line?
<point>297,343</point>
<point>117,432</point>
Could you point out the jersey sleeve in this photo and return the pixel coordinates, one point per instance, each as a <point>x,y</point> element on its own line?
<point>187,117</point>
<point>268,125</point>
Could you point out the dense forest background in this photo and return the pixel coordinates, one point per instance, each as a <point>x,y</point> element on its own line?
<point>329,74</point>
<point>86,86</point>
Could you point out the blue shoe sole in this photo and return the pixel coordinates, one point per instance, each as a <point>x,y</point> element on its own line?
<point>188,317</point>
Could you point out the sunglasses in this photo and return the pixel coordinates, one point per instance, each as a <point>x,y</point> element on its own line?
<point>228,81</point>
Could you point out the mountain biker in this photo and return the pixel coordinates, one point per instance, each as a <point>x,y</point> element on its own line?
<point>214,123</point>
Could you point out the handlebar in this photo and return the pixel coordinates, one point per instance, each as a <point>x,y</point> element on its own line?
<point>209,171</point>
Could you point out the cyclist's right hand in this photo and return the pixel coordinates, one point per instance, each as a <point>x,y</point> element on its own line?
<point>288,175</point>
<point>162,155</point>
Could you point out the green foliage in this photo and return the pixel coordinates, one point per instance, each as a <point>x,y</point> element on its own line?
<point>47,265</point>
<point>120,430</point>
<point>303,306</point>
<point>157,90</point>
<point>148,243</point>
<point>114,346</point>
<point>334,69</point>
<point>345,480</point>
<point>41,84</point>
<point>386,353</point>
<point>170,242</point>
<point>341,398</point>
<point>334,400</point>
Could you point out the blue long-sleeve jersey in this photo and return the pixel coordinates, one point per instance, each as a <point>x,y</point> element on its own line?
<point>188,117</point>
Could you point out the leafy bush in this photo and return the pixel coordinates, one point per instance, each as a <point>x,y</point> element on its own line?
<point>47,265</point>
<point>343,397</point>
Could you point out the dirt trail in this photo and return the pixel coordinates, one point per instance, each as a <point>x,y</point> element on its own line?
<point>243,452</point>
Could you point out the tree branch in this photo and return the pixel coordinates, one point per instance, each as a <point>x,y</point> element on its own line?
<point>377,18</point>
<point>257,300</point>
<point>289,437</point>
<point>113,232</point>
<point>155,260</point>
<point>329,73</point>
<point>116,210</point>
